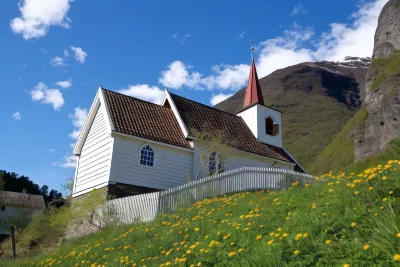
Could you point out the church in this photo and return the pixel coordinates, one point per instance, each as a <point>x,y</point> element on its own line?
<point>131,146</point>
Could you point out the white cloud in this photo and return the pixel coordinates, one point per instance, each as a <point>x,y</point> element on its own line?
<point>78,119</point>
<point>17,116</point>
<point>38,15</point>
<point>297,9</point>
<point>177,75</point>
<point>215,99</point>
<point>51,150</point>
<point>45,95</point>
<point>67,162</point>
<point>66,53</point>
<point>242,34</point>
<point>182,39</point>
<point>58,62</point>
<point>79,54</point>
<point>65,84</point>
<point>145,92</point>
<point>72,145</point>
<point>297,45</point>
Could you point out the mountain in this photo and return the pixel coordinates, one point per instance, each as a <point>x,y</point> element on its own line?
<point>373,135</point>
<point>316,100</point>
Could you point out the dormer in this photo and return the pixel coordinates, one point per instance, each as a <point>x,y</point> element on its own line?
<point>264,122</point>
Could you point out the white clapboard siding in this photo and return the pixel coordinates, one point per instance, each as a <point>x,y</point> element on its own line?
<point>95,158</point>
<point>144,208</point>
<point>170,169</point>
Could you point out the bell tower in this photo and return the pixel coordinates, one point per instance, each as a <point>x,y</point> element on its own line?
<point>264,122</point>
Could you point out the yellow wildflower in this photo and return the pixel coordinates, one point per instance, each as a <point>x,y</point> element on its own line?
<point>366,247</point>
<point>197,229</point>
<point>258,237</point>
<point>270,242</point>
<point>353,224</point>
<point>296,252</point>
<point>396,257</point>
<point>328,242</point>
<point>231,254</point>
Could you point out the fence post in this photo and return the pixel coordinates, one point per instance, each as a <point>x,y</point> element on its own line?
<point>14,254</point>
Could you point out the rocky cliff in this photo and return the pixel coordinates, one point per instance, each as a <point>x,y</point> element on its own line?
<point>316,100</point>
<point>382,99</point>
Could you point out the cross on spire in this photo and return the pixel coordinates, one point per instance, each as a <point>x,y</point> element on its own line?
<point>253,91</point>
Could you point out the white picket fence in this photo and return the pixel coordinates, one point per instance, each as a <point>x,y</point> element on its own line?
<point>145,207</point>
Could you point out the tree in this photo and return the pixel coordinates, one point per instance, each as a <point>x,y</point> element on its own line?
<point>68,186</point>
<point>214,148</point>
<point>1,180</point>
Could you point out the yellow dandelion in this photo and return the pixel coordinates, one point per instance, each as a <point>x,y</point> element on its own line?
<point>385,199</point>
<point>258,237</point>
<point>390,192</point>
<point>398,235</point>
<point>296,252</point>
<point>328,242</point>
<point>396,257</point>
<point>330,190</point>
<point>353,224</point>
<point>197,229</point>
<point>270,242</point>
<point>285,235</point>
<point>305,235</point>
<point>346,265</point>
<point>366,247</point>
<point>231,254</point>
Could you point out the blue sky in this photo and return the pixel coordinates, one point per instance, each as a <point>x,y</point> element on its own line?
<point>55,54</point>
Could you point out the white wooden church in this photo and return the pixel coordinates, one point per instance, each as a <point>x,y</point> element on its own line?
<point>132,146</point>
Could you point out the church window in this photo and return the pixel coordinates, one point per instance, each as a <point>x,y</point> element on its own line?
<point>146,156</point>
<point>216,163</point>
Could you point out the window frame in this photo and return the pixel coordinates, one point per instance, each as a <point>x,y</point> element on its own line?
<point>218,159</point>
<point>265,122</point>
<point>140,156</point>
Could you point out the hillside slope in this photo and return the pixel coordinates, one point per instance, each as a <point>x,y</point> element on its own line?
<point>373,134</point>
<point>341,220</point>
<point>316,100</point>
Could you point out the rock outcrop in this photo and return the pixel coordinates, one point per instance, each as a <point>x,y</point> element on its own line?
<point>382,99</point>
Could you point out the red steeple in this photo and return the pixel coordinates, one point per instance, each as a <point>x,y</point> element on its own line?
<point>253,90</point>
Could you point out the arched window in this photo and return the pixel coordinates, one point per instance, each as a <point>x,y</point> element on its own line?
<point>269,125</point>
<point>216,163</point>
<point>271,128</point>
<point>147,156</point>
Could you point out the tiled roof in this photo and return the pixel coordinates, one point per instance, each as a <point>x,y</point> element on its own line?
<point>144,119</point>
<point>21,199</point>
<point>200,118</point>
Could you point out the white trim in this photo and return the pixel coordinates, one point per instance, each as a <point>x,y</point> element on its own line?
<point>76,176</point>
<point>90,189</point>
<point>85,129</point>
<point>110,124</point>
<point>140,154</point>
<point>98,102</point>
<point>150,141</point>
<point>301,167</point>
<point>176,113</point>
<point>111,157</point>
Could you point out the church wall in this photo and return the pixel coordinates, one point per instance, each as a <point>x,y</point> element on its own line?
<point>94,161</point>
<point>171,165</point>
<point>235,159</point>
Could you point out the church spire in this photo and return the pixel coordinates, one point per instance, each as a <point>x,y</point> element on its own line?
<point>253,91</point>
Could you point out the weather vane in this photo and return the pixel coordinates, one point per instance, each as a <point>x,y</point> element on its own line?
<point>252,47</point>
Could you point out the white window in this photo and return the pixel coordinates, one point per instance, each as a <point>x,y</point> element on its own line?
<point>216,163</point>
<point>147,156</point>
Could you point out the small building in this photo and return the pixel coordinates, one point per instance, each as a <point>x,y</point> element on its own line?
<point>17,205</point>
<point>131,146</point>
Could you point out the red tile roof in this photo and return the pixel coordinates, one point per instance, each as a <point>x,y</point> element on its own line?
<point>143,119</point>
<point>200,118</point>
<point>139,118</point>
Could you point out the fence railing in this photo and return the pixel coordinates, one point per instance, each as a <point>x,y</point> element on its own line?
<point>145,207</point>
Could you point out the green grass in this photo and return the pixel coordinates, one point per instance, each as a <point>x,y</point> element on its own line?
<point>392,151</point>
<point>385,67</point>
<point>340,152</point>
<point>286,228</point>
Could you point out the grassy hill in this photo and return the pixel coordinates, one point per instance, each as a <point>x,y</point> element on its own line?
<point>339,220</point>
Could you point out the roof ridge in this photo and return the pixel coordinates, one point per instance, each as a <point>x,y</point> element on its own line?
<point>141,100</point>
<point>205,105</point>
